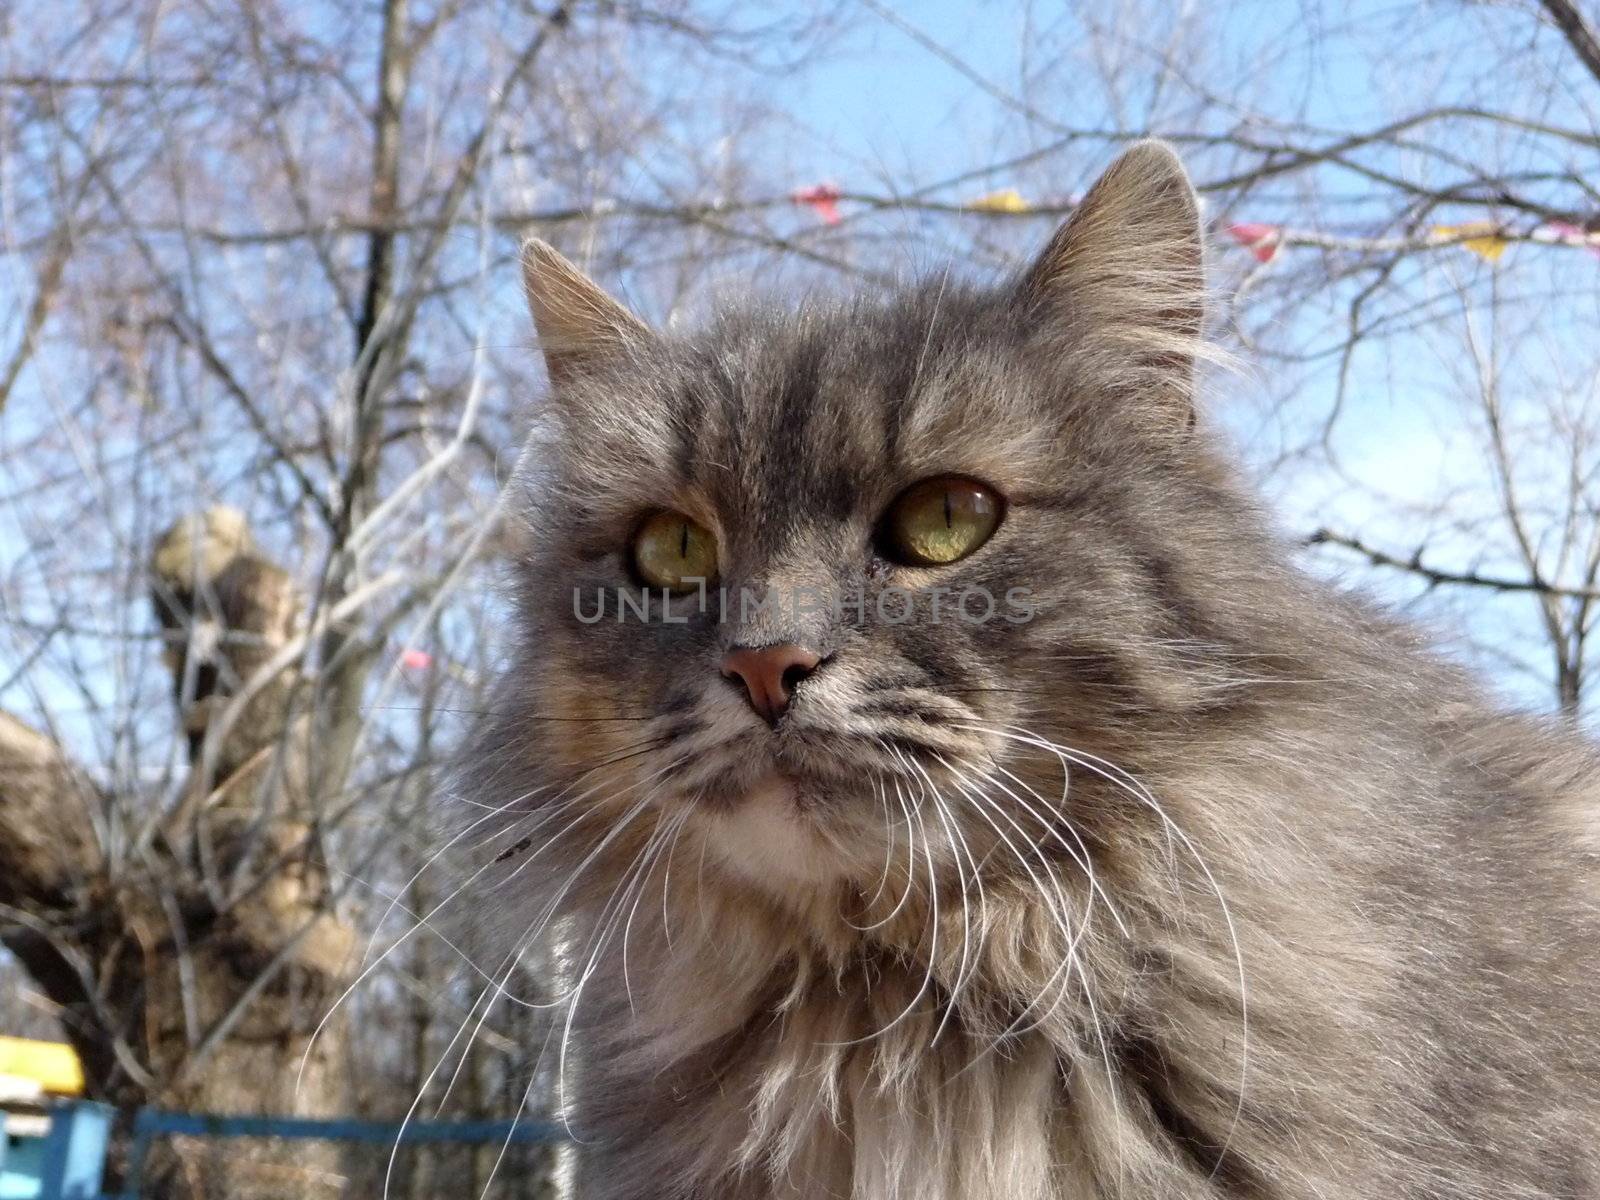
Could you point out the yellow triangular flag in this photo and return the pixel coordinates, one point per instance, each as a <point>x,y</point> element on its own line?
<point>1486,241</point>
<point>1008,200</point>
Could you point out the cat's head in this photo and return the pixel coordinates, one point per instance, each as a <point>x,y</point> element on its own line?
<point>934,529</point>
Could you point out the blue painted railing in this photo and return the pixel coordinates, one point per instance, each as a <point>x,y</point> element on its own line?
<point>68,1163</point>
<point>151,1124</point>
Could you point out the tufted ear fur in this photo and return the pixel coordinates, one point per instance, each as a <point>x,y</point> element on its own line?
<point>578,323</point>
<point>1125,273</point>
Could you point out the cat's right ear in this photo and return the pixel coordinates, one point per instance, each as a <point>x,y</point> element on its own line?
<point>1124,278</point>
<point>578,324</point>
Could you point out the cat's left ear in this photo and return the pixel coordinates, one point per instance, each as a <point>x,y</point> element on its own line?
<point>579,325</point>
<point>1124,278</point>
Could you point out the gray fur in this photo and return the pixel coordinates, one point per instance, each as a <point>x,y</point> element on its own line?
<point>1340,937</point>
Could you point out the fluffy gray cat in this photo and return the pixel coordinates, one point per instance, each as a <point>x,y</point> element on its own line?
<point>1146,867</point>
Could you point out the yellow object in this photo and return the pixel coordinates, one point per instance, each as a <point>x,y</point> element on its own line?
<point>52,1065</point>
<point>1008,200</point>
<point>1486,240</point>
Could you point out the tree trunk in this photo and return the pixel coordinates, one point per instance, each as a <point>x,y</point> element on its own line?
<point>193,955</point>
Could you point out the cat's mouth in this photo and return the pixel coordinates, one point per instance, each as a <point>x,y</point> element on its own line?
<point>807,806</point>
<point>817,768</point>
<point>775,780</point>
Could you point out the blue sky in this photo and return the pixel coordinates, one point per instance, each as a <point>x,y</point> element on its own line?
<point>884,111</point>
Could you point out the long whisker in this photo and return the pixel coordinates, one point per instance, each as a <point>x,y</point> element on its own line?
<point>888,848</point>
<point>433,858</point>
<point>501,978</point>
<point>1078,853</point>
<point>1071,960</point>
<point>668,832</point>
<point>905,895</point>
<point>923,989</point>
<point>424,921</point>
<point>1059,912</point>
<point>1133,787</point>
<point>958,843</point>
<point>553,905</point>
<point>422,1090</point>
<point>601,938</point>
<point>666,876</point>
<point>546,812</point>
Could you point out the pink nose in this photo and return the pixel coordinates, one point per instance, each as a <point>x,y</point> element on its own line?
<point>770,675</point>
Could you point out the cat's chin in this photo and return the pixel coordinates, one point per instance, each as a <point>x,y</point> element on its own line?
<point>766,839</point>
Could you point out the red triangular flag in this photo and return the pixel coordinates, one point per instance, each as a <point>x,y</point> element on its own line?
<point>1263,241</point>
<point>822,199</point>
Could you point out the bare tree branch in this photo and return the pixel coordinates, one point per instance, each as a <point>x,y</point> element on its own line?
<point>1440,576</point>
<point>1580,34</point>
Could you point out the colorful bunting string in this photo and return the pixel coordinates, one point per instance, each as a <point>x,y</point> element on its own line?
<point>1486,239</point>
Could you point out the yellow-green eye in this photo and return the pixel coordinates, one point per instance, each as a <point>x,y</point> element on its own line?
<point>940,520</point>
<point>669,548</point>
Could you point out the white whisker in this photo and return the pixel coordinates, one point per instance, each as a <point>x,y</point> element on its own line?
<point>1133,787</point>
